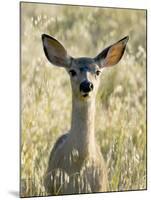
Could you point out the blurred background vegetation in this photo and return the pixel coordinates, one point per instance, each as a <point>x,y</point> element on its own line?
<point>46,92</point>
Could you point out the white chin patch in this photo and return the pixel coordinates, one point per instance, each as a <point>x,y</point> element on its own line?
<point>85,95</point>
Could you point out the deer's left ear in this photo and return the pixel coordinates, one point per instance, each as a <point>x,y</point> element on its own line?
<point>112,54</point>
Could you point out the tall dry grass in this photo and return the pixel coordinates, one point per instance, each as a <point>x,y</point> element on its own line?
<point>46,94</point>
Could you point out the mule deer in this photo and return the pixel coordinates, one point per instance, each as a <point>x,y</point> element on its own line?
<point>76,164</point>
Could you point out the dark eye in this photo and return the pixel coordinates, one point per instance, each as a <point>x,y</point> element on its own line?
<point>98,72</point>
<point>72,72</point>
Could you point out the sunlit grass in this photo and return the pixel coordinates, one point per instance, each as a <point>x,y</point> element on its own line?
<point>46,93</point>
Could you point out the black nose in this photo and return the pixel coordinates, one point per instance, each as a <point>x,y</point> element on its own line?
<point>86,86</point>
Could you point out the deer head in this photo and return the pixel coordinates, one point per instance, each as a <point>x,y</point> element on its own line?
<point>84,71</point>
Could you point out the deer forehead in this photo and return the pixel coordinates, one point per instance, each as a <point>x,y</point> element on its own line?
<point>84,64</point>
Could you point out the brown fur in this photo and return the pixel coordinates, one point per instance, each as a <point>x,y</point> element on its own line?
<point>76,164</point>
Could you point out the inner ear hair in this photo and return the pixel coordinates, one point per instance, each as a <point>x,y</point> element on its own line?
<point>112,54</point>
<point>55,51</point>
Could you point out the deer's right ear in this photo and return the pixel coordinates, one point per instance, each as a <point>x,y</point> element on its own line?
<point>55,52</point>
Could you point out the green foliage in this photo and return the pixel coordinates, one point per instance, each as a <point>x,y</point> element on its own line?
<point>46,93</point>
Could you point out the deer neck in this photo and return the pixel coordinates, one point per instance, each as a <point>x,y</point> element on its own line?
<point>82,125</point>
